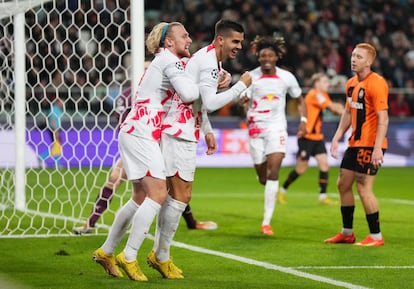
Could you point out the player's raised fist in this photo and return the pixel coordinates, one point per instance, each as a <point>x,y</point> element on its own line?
<point>246,78</point>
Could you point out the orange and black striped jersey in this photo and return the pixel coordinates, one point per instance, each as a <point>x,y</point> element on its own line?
<point>364,99</point>
<point>316,102</point>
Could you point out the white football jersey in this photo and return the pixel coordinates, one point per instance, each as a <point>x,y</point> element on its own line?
<point>164,76</point>
<point>204,69</point>
<point>184,120</point>
<point>267,95</point>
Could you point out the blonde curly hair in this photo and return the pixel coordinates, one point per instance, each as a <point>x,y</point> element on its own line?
<point>154,41</point>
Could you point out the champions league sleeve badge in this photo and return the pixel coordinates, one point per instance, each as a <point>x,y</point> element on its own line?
<point>179,65</point>
<point>215,73</point>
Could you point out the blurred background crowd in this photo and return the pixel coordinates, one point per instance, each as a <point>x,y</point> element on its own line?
<point>320,36</point>
<point>84,45</point>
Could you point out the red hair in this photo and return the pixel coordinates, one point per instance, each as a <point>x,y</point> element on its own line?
<point>371,49</point>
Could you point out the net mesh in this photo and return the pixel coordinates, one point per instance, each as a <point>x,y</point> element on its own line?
<point>77,63</point>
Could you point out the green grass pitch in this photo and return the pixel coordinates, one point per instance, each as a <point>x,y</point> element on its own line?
<point>236,255</point>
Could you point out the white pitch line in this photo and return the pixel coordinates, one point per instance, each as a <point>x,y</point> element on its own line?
<point>353,267</point>
<point>296,194</point>
<point>396,201</point>
<point>265,265</point>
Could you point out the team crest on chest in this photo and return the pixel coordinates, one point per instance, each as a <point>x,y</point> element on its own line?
<point>269,97</point>
<point>361,93</point>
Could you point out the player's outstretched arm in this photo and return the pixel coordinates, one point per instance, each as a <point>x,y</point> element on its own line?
<point>213,100</point>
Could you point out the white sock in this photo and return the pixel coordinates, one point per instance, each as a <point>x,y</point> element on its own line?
<point>119,226</point>
<point>322,196</point>
<point>141,224</point>
<point>377,236</point>
<point>282,190</point>
<point>158,225</point>
<point>347,232</point>
<point>270,193</point>
<point>167,224</point>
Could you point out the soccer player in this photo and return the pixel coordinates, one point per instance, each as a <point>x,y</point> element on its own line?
<point>181,132</point>
<point>122,107</point>
<point>141,155</point>
<point>312,143</point>
<point>116,177</point>
<point>54,128</point>
<point>366,112</point>
<point>266,117</point>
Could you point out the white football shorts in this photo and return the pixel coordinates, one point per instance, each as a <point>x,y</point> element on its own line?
<point>141,157</point>
<point>179,156</point>
<point>274,142</point>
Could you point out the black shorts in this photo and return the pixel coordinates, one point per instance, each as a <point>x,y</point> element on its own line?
<point>359,160</point>
<point>308,148</point>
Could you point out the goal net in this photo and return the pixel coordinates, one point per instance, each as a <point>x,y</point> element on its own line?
<point>58,126</point>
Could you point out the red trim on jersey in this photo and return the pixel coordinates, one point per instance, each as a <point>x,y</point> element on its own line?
<point>178,132</point>
<point>165,126</point>
<point>131,129</point>
<point>197,134</point>
<point>211,47</point>
<point>269,76</point>
<point>169,95</point>
<point>264,111</point>
<point>143,101</point>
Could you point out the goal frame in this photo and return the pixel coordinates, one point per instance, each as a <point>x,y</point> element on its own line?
<point>16,10</point>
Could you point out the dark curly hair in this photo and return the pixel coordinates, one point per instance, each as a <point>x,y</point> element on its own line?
<point>277,44</point>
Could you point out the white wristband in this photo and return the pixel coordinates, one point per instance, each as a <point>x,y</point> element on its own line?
<point>303,119</point>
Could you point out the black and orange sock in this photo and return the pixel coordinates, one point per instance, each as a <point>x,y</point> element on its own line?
<point>323,182</point>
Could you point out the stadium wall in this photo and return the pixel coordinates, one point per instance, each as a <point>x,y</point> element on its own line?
<point>99,147</point>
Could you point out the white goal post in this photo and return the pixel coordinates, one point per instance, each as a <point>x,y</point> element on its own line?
<point>82,53</point>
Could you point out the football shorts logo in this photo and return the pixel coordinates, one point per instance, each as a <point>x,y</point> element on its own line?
<point>215,73</point>
<point>179,65</point>
<point>303,154</point>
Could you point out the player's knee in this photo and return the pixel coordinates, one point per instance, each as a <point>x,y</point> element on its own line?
<point>185,197</point>
<point>301,170</point>
<point>262,180</point>
<point>115,177</point>
<point>342,186</point>
<point>182,195</point>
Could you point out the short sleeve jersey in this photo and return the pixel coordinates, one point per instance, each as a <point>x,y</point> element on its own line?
<point>266,112</point>
<point>153,96</point>
<point>316,102</point>
<point>364,99</point>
